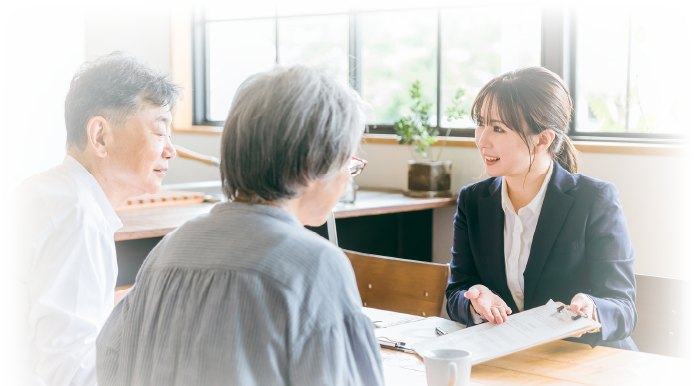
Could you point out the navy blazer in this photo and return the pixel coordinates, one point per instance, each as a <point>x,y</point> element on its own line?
<point>581,244</point>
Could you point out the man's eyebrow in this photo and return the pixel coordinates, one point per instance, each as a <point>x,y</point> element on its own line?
<point>163,118</point>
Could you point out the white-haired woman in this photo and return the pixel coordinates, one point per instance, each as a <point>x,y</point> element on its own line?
<point>246,295</point>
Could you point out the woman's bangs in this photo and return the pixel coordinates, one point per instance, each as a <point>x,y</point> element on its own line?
<point>508,109</point>
<point>483,105</point>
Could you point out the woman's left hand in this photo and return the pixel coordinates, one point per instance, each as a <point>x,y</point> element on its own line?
<point>582,303</point>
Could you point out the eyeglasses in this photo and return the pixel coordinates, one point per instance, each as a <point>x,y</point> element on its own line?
<point>356,165</point>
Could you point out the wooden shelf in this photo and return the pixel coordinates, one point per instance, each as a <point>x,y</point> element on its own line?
<point>140,224</point>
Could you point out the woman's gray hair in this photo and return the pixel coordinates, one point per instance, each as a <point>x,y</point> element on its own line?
<point>286,127</point>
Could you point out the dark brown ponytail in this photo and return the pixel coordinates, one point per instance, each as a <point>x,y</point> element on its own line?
<point>537,98</point>
<point>566,154</point>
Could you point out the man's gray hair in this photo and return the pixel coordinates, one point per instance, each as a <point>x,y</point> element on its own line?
<point>286,127</point>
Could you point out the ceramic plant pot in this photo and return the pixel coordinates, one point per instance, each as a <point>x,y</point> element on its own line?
<point>429,179</point>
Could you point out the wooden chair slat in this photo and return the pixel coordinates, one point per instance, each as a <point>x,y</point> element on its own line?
<point>407,286</point>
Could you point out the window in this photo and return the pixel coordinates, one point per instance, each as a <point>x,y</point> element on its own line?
<point>623,71</point>
<point>630,68</point>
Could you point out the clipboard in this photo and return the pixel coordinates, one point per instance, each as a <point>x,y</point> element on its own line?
<point>402,337</point>
<point>521,331</point>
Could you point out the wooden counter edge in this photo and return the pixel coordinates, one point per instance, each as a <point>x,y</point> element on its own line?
<point>134,235</point>
<point>451,201</point>
<point>394,209</point>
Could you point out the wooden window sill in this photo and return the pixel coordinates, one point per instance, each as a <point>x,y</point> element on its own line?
<point>582,146</point>
<point>210,130</point>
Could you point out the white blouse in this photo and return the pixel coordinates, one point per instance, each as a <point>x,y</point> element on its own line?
<point>66,269</point>
<point>519,230</point>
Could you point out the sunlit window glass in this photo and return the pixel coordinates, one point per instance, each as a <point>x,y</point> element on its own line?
<point>239,9</point>
<point>602,61</point>
<point>237,49</point>
<point>393,4</point>
<point>628,62</point>
<point>398,48</point>
<point>307,7</point>
<point>630,70</point>
<point>661,64</point>
<point>471,2</point>
<point>321,41</point>
<point>481,43</point>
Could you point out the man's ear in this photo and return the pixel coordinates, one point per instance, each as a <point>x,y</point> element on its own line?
<point>544,141</point>
<point>98,132</point>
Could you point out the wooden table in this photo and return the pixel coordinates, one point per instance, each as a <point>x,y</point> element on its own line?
<point>139,224</point>
<point>555,363</point>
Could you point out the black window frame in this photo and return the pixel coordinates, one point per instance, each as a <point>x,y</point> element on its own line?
<point>558,54</point>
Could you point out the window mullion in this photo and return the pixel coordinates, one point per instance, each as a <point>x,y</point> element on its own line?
<point>628,94</point>
<point>277,38</point>
<point>200,67</point>
<point>686,77</point>
<point>439,85</point>
<point>570,58</point>
<point>355,51</point>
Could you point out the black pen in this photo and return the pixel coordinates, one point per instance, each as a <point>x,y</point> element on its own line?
<point>407,350</point>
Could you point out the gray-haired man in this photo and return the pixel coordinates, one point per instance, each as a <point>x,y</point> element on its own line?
<point>118,120</point>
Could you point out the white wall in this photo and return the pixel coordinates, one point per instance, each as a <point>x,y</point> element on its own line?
<point>43,46</point>
<point>139,28</point>
<point>651,187</point>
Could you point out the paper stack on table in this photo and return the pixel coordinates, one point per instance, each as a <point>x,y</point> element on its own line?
<point>383,318</point>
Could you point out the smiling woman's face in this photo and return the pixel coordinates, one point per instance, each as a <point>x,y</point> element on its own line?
<point>502,149</point>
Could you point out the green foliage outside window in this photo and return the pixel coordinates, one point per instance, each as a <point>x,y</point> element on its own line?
<point>397,49</point>
<point>414,128</point>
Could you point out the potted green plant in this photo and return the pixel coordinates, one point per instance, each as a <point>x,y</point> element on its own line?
<point>427,176</point>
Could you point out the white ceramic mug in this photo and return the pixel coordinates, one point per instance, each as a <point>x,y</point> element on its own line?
<point>448,367</point>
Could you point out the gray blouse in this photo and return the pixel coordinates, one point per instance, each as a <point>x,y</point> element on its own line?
<point>242,296</point>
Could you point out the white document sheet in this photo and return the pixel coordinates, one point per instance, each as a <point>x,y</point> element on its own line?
<point>521,331</point>
<point>383,319</point>
<point>414,332</point>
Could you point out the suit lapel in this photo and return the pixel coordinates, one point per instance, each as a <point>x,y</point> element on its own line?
<point>555,208</point>
<point>491,217</point>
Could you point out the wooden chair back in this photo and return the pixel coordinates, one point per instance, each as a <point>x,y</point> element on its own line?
<point>664,315</point>
<point>407,286</point>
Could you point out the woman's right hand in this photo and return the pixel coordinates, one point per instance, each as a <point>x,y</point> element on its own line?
<point>488,304</point>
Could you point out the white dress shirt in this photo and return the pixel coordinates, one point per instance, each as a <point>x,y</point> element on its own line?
<point>65,261</point>
<point>519,230</point>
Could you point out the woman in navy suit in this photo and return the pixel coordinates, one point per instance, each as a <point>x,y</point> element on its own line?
<point>536,230</point>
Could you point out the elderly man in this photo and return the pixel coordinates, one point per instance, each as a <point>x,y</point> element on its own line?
<point>118,119</point>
